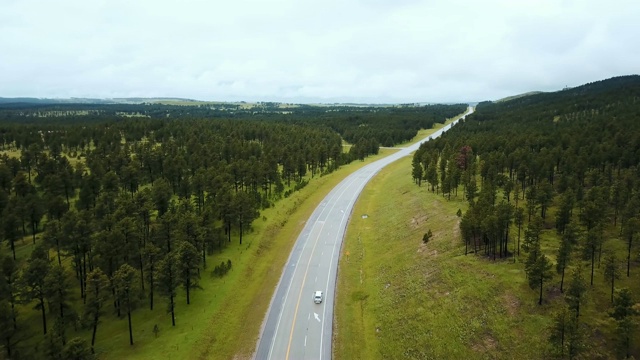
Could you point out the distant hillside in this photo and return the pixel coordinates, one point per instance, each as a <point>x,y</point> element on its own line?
<point>513,97</point>
<point>597,90</point>
<point>47,101</point>
<point>140,100</point>
<point>133,100</point>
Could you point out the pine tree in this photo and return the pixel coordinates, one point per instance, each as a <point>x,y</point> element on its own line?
<point>577,290</point>
<point>611,271</point>
<point>168,282</point>
<point>539,273</point>
<point>568,240</point>
<point>33,280</point>
<point>97,295</point>
<point>57,293</point>
<point>125,282</point>
<point>188,273</point>
<point>622,312</point>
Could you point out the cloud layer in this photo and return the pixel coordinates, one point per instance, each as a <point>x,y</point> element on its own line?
<point>310,51</point>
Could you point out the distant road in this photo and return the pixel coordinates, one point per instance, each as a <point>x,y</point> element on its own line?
<point>295,327</point>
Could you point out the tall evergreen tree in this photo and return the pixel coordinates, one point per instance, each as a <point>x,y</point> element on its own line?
<point>611,271</point>
<point>97,295</point>
<point>168,282</point>
<point>33,278</point>
<point>151,255</point>
<point>630,230</point>
<point>623,311</point>
<point>576,293</point>
<point>57,293</point>
<point>188,273</point>
<point>125,280</point>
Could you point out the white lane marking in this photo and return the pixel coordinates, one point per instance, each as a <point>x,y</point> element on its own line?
<point>305,340</point>
<point>316,316</point>
<point>309,317</point>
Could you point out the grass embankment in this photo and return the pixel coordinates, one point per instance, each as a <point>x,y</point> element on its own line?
<point>398,298</point>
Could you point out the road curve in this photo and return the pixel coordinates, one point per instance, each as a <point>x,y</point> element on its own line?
<point>295,327</point>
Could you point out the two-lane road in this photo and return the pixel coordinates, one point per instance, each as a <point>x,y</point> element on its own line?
<point>296,327</point>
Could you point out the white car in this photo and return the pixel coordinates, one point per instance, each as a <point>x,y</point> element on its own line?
<point>317,297</point>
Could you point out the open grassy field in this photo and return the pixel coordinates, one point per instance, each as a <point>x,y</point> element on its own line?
<point>11,153</point>
<point>398,298</point>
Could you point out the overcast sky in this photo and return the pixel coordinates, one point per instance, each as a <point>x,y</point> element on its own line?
<point>313,51</point>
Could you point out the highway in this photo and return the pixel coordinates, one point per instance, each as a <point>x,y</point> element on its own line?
<point>295,327</point>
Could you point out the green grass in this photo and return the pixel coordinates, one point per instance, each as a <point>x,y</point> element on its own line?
<point>15,153</point>
<point>398,298</point>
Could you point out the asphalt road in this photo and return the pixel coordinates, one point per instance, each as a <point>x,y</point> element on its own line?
<point>295,327</point>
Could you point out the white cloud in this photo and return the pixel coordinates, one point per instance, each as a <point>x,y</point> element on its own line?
<point>302,50</point>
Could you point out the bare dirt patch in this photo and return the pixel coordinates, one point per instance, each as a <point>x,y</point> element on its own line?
<point>455,239</point>
<point>417,221</point>
<point>511,304</point>
<point>553,293</point>
<point>241,357</point>
<point>487,343</point>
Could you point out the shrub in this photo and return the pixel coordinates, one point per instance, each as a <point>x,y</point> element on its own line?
<point>222,269</point>
<point>427,236</point>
